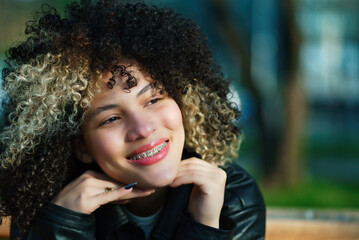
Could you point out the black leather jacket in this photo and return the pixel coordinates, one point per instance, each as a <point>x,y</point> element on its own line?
<point>242,217</point>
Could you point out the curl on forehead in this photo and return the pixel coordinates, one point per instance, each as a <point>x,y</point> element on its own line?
<point>121,72</point>
<point>123,75</point>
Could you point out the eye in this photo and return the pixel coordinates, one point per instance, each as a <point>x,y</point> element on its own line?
<point>110,120</point>
<point>153,101</point>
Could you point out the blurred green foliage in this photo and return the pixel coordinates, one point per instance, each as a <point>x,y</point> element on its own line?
<point>314,190</point>
<point>315,193</point>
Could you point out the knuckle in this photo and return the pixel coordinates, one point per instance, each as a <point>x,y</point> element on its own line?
<point>193,175</point>
<point>222,176</point>
<point>88,173</point>
<point>87,181</point>
<point>82,196</point>
<point>223,173</point>
<point>187,167</point>
<point>85,189</point>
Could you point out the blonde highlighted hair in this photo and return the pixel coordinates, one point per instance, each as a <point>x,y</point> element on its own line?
<point>205,134</point>
<point>49,96</point>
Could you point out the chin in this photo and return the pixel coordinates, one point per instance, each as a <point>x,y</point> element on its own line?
<point>160,179</point>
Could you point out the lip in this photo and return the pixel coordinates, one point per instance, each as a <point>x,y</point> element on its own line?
<point>147,147</point>
<point>154,159</point>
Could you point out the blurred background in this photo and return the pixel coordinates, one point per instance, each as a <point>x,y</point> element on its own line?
<point>295,66</point>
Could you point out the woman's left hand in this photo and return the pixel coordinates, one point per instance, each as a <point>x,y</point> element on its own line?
<point>207,195</point>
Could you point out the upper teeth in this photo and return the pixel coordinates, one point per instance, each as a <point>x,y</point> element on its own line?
<point>150,152</point>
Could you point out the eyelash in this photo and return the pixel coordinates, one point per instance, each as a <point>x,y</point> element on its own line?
<point>110,120</point>
<point>153,101</point>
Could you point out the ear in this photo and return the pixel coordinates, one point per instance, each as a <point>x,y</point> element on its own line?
<point>82,152</point>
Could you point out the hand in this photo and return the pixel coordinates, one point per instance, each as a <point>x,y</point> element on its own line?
<point>87,193</point>
<point>207,196</point>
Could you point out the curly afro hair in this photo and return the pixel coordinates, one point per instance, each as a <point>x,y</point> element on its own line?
<point>49,85</point>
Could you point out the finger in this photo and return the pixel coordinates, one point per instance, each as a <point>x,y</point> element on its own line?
<point>121,202</point>
<point>138,193</point>
<point>198,162</point>
<point>197,178</point>
<point>196,167</point>
<point>91,180</point>
<point>102,176</point>
<point>106,197</point>
<point>120,194</point>
<point>92,186</point>
<point>195,160</point>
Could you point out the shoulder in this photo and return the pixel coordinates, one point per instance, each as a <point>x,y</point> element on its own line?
<point>243,204</point>
<point>241,188</point>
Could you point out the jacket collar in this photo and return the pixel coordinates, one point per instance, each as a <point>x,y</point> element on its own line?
<point>108,218</point>
<point>175,205</point>
<point>111,217</point>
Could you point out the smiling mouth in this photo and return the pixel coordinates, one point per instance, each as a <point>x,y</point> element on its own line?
<point>150,153</point>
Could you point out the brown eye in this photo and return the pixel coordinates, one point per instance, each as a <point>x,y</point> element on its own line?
<point>110,120</point>
<point>153,101</point>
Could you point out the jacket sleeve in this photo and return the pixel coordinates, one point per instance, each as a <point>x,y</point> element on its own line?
<point>244,204</point>
<point>55,222</point>
<point>188,229</point>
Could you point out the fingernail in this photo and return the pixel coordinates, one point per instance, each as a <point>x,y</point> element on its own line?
<point>130,185</point>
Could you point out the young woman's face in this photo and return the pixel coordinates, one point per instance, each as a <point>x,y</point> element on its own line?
<point>134,135</point>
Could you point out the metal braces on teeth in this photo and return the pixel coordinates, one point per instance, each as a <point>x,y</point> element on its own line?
<point>149,153</point>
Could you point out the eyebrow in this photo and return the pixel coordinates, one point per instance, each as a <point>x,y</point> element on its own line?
<point>112,106</point>
<point>145,89</point>
<point>102,109</point>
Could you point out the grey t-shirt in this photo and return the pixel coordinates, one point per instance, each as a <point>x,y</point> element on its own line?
<point>146,223</point>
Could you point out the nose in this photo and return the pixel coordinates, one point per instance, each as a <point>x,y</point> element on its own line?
<point>140,126</point>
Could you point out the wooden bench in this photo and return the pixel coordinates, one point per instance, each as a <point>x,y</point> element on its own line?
<point>294,224</point>
<point>5,228</point>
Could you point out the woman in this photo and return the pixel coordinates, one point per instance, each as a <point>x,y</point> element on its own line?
<point>119,127</point>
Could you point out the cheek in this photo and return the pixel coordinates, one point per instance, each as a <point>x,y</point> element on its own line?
<point>172,117</point>
<point>105,145</point>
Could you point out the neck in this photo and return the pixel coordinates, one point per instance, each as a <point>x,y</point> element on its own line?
<point>146,206</point>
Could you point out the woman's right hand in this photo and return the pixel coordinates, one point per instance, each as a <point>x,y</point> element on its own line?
<point>88,192</point>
